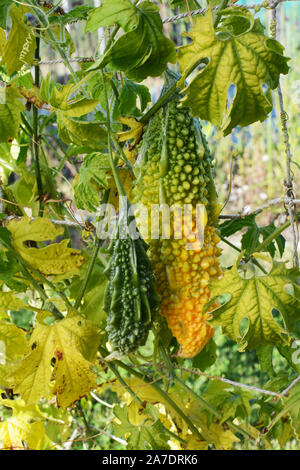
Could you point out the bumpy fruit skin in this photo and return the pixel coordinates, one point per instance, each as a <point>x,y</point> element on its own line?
<point>130,295</point>
<point>174,168</point>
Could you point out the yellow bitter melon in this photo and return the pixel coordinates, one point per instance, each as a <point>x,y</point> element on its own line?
<point>174,167</point>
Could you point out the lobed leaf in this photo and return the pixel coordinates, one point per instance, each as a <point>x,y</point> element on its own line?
<point>143,50</point>
<point>255,299</point>
<point>243,58</point>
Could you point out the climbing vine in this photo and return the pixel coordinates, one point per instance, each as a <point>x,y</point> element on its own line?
<point>97,311</point>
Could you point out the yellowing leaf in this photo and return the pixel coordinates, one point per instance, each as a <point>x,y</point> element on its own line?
<point>32,95</point>
<point>9,301</point>
<point>21,44</point>
<point>10,114</point>
<point>126,178</point>
<point>92,178</point>
<point>13,345</point>
<point>292,407</point>
<point>61,353</point>
<point>237,54</point>
<point>14,432</point>
<point>70,128</point>
<point>2,40</point>
<point>254,299</point>
<point>24,427</point>
<point>223,439</point>
<point>54,259</point>
<point>73,131</point>
<point>135,132</point>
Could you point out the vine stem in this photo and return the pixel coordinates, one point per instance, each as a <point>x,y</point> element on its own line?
<point>262,246</point>
<point>222,379</point>
<point>40,290</point>
<point>211,408</point>
<point>35,130</point>
<point>164,395</point>
<point>113,368</point>
<point>88,273</point>
<point>42,278</point>
<point>118,182</point>
<point>254,261</point>
<point>159,103</point>
<point>219,12</point>
<point>52,37</point>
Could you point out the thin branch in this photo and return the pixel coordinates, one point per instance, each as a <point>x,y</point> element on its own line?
<point>35,134</point>
<point>231,382</point>
<point>273,202</point>
<point>285,391</point>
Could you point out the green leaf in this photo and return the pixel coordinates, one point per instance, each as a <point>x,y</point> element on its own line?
<point>291,354</point>
<point>207,357</point>
<point>250,239</point>
<point>92,302</point>
<point>291,406</point>
<point>232,403</point>
<point>234,225</point>
<point>265,355</point>
<point>5,4</point>
<point>150,434</point>
<point>73,131</point>
<point>8,268</point>
<point>143,50</point>
<point>182,4</point>
<point>78,13</point>
<point>10,115</point>
<point>129,94</point>
<point>70,128</point>
<point>244,59</point>
<point>280,240</point>
<point>46,88</point>
<point>255,299</point>
<point>91,178</point>
<point>5,236</point>
<point>21,44</point>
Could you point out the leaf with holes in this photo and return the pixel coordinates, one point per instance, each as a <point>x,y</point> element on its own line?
<point>254,299</point>
<point>51,260</point>
<point>61,353</point>
<point>236,54</point>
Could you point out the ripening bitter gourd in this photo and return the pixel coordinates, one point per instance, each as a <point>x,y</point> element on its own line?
<point>174,167</point>
<point>130,296</point>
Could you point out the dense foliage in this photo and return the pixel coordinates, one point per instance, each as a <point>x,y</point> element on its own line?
<point>111,337</point>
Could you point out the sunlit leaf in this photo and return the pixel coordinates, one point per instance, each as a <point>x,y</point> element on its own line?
<point>10,114</point>
<point>244,59</point>
<point>254,299</point>
<point>54,259</point>
<point>60,353</point>
<point>21,43</point>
